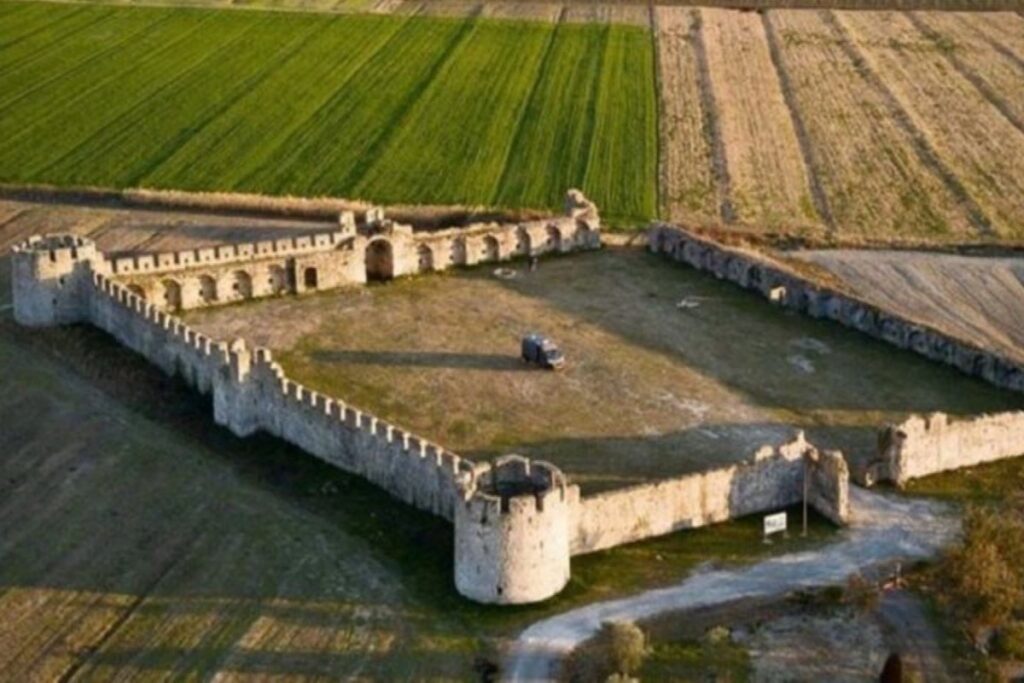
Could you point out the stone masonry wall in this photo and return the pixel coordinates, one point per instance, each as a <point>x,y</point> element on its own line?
<point>923,445</point>
<point>789,289</point>
<point>252,393</point>
<point>516,523</point>
<point>771,480</point>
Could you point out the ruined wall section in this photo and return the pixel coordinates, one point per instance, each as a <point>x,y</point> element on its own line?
<point>772,479</point>
<point>923,445</point>
<point>796,292</point>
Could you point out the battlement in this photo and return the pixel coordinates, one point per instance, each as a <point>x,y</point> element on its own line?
<point>512,532</point>
<point>169,262</point>
<point>57,247</point>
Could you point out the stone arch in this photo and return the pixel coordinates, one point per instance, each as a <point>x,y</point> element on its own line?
<point>137,290</point>
<point>492,249</point>
<point>458,251</point>
<point>424,258</point>
<point>380,260</point>
<point>582,234</point>
<point>310,278</point>
<point>207,289</point>
<point>523,242</point>
<point>172,294</point>
<point>554,238</point>
<point>277,279</point>
<point>241,285</point>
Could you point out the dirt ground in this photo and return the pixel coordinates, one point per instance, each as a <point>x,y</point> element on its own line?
<point>669,371</point>
<point>143,230</point>
<point>980,299</point>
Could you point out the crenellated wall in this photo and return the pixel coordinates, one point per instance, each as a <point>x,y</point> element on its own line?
<point>787,288</point>
<point>252,393</point>
<point>923,445</point>
<point>375,248</point>
<point>772,479</point>
<point>517,523</point>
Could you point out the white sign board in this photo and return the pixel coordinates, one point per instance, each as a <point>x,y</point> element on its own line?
<point>773,524</point>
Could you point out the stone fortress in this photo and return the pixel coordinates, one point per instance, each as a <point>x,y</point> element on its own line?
<point>516,522</point>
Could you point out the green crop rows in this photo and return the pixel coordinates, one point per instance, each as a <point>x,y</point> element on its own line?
<point>388,109</point>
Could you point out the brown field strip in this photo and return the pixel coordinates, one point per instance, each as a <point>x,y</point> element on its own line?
<point>973,138</point>
<point>1004,28</point>
<point>997,77</point>
<point>875,181</point>
<point>769,183</point>
<point>689,188</point>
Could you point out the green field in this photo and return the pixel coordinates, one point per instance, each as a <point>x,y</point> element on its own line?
<point>441,111</point>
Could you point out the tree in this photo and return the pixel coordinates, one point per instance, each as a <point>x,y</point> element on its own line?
<point>624,644</point>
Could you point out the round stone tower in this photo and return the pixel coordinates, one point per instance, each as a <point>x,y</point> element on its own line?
<point>50,275</point>
<point>512,534</point>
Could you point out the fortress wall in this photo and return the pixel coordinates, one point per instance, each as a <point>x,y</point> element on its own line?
<point>923,445</point>
<point>771,480</point>
<point>219,283</point>
<point>792,290</point>
<point>169,262</point>
<point>161,338</point>
<point>413,470</point>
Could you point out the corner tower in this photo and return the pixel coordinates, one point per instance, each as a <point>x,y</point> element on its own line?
<point>50,279</point>
<point>512,533</point>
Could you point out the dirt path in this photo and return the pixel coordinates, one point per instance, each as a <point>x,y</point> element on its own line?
<point>917,639</point>
<point>884,529</point>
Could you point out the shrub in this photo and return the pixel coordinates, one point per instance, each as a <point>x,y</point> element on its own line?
<point>1010,641</point>
<point>625,645</point>
<point>618,648</point>
<point>985,572</point>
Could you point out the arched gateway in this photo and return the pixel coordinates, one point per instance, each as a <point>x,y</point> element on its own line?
<point>380,261</point>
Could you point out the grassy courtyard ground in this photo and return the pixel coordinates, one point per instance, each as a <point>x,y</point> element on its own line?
<point>463,111</point>
<point>651,389</point>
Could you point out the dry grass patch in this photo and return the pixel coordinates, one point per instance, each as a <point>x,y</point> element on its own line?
<point>769,183</point>
<point>975,140</point>
<point>996,69</point>
<point>876,183</point>
<point>687,179</point>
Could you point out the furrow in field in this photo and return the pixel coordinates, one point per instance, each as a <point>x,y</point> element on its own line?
<point>327,154</point>
<point>995,74</point>
<point>622,170</point>
<point>454,154</point>
<point>768,180</point>
<point>549,152</point>
<point>812,166</point>
<point>688,183</point>
<point>867,164</point>
<point>1005,28</point>
<point>52,38</point>
<point>59,129</point>
<point>29,20</point>
<point>905,119</point>
<point>124,150</point>
<point>980,145</point>
<point>254,73</point>
<point>249,135</point>
<point>77,55</point>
